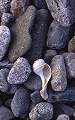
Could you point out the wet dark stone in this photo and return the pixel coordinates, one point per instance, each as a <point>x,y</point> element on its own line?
<point>42,111</point>
<point>39,35</point>
<point>20,102</point>
<point>58,36</point>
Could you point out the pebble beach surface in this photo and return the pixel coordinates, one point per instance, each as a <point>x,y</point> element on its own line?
<point>37,59</point>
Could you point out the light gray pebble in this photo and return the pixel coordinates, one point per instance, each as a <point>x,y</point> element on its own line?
<point>63,117</point>
<point>20,71</point>
<point>5,38</point>
<point>59,76</point>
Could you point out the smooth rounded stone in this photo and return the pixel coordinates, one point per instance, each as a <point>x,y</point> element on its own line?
<point>20,71</point>
<point>61,11</point>
<point>42,111</point>
<point>59,76</point>
<point>67,96</point>
<point>63,117</point>
<point>4,86</point>
<point>33,82</point>
<point>40,4</point>
<point>5,64</point>
<point>18,7</point>
<point>58,36</point>
<point>39,35</point>
<point>36,97</point>
<point>4,6</point>
<point>5,113</point>
<point>70,64</point>
<point>7,19</point>
<point>49,54</point>
<point>22,39</point>
<point>5,38</point>
<point>20,102</point>
<point>8,103</point>
<point>71,45</point>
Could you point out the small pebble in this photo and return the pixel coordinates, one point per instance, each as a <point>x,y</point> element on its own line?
<point>39,35</point>
<point>63,117</point>
<point>18,7</point>
<point>70,64</point>
<point>21,31</point>
<point>4,86</point>
<point>61,11</point>
<point>20,71</point>
<point>5,38</point>
<point>5,113</point>
<point>59,76</point>
<point>42,111</point>
<point>20,102</point>
<point>58,36</point>
<point>33,82</point>
<point>40,4</point>
<point>4,6</point>
<point>7,19</point>
<point>71,45</point>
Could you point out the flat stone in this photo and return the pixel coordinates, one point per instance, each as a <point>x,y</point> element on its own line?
<point>42,111</point>
<point>20,102</point>
<point>61,11</point>
<point>4,86</point>
<point>5,113</point>
<point>39,35</point>
<point>70,64</point>
<point>20,71</point>
<point>33,82</point>
<point>59,76</point>
<point>40,4</point>
<point>71,45</point>
<point>5,38</point>
<point>21,31</point>
<point>18,7</point>
<point>58,36</point>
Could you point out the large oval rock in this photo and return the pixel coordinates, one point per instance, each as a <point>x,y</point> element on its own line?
<point>42,111</point>
<point>61,11</point>
<point>20,71</point>
<point>58,36</point>
<point>22,39</point>
<point>20,102</point>
<point>59,76</point>
<point>4,40</point>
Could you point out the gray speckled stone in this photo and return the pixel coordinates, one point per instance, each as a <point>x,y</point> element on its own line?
<point>63,117</point>
<point>5,38</point>
<point>5,113</point>
<point>58,36</point>
<point>20,102</point>
<point>42,111</point>
<point>22,39</point>
<point>70,64</point>
<point>71,45</point>
<point>59,76</point>
<point>61,11</point>
<point>3,80</point>
<point>20,71</point>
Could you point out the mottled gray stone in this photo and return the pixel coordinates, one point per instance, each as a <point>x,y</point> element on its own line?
<point>33,82</point>
<point>42,111</point>
<point>20,102</point>
<point>20,71</point>
<point>5,113</point>
<point>21,31</point>
<point>70,64</point>
<point>58,36</point>
<point>5,38</point>
<point>63,117</point>
<point>61,11</point>
<point>59,76</point>
<point>5,64</point>
<point>4,86</point>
